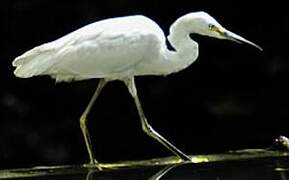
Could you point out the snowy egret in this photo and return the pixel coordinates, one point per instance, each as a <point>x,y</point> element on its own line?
<point>120,49</point>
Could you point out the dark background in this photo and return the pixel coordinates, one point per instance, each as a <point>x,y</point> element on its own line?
<point>232,97</point>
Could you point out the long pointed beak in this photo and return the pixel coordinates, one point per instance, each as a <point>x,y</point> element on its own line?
<point>236,38</point>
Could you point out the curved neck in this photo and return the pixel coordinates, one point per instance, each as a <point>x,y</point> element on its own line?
<point>186,50</point>
<point>185,53</point>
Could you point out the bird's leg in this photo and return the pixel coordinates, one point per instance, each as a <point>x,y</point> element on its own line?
<point>147,128</point>
<point>83,121</point>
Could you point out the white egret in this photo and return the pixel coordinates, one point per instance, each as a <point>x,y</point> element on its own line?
<point>120,49</point>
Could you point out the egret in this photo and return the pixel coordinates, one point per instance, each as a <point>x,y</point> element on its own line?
<point>120,49</point>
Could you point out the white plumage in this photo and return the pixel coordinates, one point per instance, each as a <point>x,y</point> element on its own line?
<point>110,48</point>
<point>121,48</point>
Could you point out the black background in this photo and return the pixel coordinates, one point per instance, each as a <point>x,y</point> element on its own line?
<point>232,97</point>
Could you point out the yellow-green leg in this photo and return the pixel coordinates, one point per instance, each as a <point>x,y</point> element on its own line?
<point>147,128</point>
<point>83,122</point>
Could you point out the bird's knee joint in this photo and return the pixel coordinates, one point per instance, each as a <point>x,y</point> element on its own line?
<point>83,121</point>
<point>147,129</point>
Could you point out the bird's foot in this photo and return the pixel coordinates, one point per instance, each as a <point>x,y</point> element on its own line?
<point>186,159</point>
<point>94,164</point>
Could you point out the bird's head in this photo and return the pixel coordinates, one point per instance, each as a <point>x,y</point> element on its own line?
<point>204,24</point>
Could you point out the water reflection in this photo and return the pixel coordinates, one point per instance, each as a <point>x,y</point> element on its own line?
<point>163,172</point>
<point>266,164</point>
<point>160,173</point>
<point>261,168</point>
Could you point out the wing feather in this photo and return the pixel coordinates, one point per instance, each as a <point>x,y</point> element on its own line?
<point>102,49</point>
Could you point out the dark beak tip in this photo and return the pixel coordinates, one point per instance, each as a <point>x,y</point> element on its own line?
<point>238,39</point>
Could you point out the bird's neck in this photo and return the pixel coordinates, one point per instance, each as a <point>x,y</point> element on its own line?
<point>170,61</point>
<point>185,53</point>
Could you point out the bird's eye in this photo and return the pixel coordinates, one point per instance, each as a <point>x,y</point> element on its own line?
<point>212,27</point>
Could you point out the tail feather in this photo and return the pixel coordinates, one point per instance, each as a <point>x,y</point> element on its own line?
<point>41,61</point>
<point>34,62</point>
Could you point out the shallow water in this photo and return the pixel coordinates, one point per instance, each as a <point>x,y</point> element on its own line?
<point>235,165</point>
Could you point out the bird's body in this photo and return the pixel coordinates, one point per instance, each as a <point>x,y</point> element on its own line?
<point>113,49</point>
<point>121,48</point>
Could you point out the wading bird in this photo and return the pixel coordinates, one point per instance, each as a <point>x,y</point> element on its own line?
<point>120,49</point>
